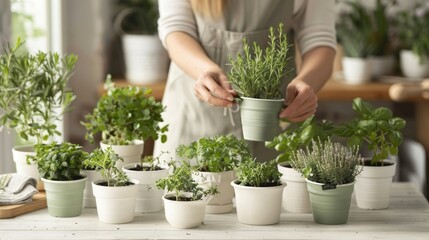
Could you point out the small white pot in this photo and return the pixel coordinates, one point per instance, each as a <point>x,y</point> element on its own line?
<point>221,202</point>
<point>19,155</point>
<point>149,197</point>
<point>372,188</point>
<point>382,65</point>
<point>412,67</point>
<point>130,153</point>
<point>115,204</point>
<point>356,70</point>
<point>258,205</point>
<point>184,214</point>
<point>88,195</point>
<point>295,194</point>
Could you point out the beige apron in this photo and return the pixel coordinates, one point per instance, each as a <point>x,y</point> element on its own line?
<point>189,118</point>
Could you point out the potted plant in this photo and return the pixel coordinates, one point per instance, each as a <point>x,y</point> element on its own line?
<point>146,60</point>
<point>185,201</point>
<point>330,170</point>
<point>295,194</point>
<point>115,194</point>
<point>215,159</point>
<point>126,117</point>
<point>257,75</point>
<point>88,196</point>
<point>147,172</point>
<point>413,27</point>
<point>258,193</point>
<point>60,168</point>
<point>33,98</point>
<point>379,131</point>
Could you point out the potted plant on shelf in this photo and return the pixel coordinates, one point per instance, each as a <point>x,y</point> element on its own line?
<point>126,117</point>
<point>215,160</point>
<point>60,168</point>
<point>115,194</point>
<point>185,201</point>
<point>380,131</point>
<point>258,193</point>
<point>33,98</point>
<point>257,75</point>
<point>330,170</point>
<point>147,172</point>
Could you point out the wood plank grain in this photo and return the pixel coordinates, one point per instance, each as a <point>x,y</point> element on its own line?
<point>10,211</point>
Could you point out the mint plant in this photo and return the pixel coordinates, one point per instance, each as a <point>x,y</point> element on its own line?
<point>126,114</point>
<point>216,154</point>
<point>257,174</point>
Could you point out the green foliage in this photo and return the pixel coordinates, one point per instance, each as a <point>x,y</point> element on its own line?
<point>125,114</point>
<point>33,91</point>
<point>259,73</point>
<point>142,18</point>
<point>60,162</point>
<point>329,163</point>
<point>375,126</point>
<point>216,154</point>
<point>300,136</point>
<point>149,163</point>
<point>181,183</point>
<point>256,174</point>
<point>105,162</point>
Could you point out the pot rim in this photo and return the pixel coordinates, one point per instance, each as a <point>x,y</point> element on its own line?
<point>321,184</point>
<point>248,187</point>
<point>262,99</point>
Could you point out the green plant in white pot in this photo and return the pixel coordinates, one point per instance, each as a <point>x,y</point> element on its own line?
<point>115,194</point>
<point>126,117</point>
<point>258,193</point>
<point>330,170</point>
<point>216,159</point>
<point>60,168</point>
<point>257,75</point>
<point>185,201</point>
<point>33,98</point>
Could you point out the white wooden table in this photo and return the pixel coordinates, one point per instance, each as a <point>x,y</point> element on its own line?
<point>407,218</point>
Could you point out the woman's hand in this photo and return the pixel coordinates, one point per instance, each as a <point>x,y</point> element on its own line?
<point>301,101</point>
<point>213,87</point>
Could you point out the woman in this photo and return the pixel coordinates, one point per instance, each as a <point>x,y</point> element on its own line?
<point>200,35</point>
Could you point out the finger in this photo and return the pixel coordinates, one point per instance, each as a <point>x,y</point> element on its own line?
<point>303,116</point>
<point>215,89</point>
<point>305,100</point>
<point>290,94</point>
<point>223,81</point>
<point>310,104</point>
<point>203,93</point>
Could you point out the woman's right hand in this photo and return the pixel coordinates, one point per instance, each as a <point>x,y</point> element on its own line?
<point>212,86</point>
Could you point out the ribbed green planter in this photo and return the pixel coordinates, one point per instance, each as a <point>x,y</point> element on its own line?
<point>260,118</point>
<point>330,206</point>
<point>64,198</point>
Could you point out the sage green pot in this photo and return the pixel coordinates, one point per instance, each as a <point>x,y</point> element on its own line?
<point>330,206</point>
<point>260,118</point>
<point>64,198</point>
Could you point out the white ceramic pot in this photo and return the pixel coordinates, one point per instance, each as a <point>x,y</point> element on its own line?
<point>88,195</point>
<point>221,202</point>
<point>149,197</point>
<point>115,204</point>
<point>412,67</point>
<point>372,188</point>
<point>295,194</point>
<point>356,70</point>
<point>382,65</point>
<point>184,214</point>
<point>258,205</point>
<point>130,153</point>
<point>19,155</point>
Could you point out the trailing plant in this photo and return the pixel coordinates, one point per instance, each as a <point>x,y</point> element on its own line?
<point>257,174</point>
<point>59,162</point>
<point>105,162</point>
<point>329,163</point>
<point>33,91</point>
<point>216,154</point>
<point>142,17</point>
<point>257,72</point>
<point>126,114</point>
<point>377,127</point>
<point>182,184</point>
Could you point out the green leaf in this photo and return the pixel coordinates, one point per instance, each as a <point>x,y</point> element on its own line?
<point>382,113</point>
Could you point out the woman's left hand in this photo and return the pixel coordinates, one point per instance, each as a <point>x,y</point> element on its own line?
<point>301,101</point>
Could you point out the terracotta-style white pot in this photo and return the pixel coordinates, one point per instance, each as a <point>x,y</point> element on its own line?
<point>115,204</point>
<point>88,195</point>
<point>372,188</point>
<point>356,70</point>
<point>382,65</point>
<point>19,155</point>
<point>295,194</point>
<point>149,197</point>
<point>184,214</point>
<point>258,205</point>
<point>412,66</point>
<point>130,153</point>
<point>221,202</point>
